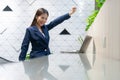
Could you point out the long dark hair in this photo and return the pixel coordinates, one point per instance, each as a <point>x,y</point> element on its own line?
<point>38,13</point>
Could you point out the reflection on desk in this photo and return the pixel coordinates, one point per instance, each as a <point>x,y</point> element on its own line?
<point>53,67</point>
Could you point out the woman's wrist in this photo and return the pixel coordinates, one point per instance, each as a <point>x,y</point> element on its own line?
<point>70,13</point>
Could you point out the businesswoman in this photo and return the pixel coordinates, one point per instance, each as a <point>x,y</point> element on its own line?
<point>38,34</point>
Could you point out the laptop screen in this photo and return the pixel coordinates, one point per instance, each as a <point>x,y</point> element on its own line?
<point>85,44</point>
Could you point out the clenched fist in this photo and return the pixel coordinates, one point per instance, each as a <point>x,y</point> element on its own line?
<point>73,10</point>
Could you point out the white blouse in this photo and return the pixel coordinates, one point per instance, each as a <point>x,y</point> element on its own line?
<point>42,32</point>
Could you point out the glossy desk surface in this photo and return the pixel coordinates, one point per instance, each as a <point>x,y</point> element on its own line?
<point>53,67</point>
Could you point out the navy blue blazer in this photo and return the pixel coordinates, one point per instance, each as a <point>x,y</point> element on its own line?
<point>40,44</point>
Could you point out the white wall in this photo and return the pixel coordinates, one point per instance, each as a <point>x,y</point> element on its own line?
<point>106,35</point>
<point>13,24</point>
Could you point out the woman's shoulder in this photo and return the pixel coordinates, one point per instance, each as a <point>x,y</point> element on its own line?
<point>30,28</point>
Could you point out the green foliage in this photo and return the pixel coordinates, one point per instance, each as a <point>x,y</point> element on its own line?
<point>92,17</point>
<point>80,39</point>
<point>27,57</point>
<point>100,3</point>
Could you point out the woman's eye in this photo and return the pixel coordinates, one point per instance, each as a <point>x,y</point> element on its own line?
<point>42,17</point>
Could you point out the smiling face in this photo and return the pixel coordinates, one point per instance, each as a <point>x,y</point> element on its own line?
<point>40,17</point>
<point>41,20</point>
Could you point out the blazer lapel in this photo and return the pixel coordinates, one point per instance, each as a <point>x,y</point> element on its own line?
<point>45,32</point>
<point>38,33</point>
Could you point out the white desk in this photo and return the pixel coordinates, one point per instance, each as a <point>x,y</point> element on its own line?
<point>60,67</point>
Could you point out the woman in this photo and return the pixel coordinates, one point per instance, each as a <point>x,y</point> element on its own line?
<point>38,34</point>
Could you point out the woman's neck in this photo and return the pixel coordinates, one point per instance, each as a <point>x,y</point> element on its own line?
<point>39,27</point>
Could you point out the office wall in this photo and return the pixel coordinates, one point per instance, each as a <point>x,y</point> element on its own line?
<point>106,38</point>
<point>17,15</point>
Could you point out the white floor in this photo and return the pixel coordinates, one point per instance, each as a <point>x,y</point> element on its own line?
<point>53,67</point>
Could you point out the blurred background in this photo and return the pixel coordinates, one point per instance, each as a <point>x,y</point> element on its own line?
<point>17,15</point>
